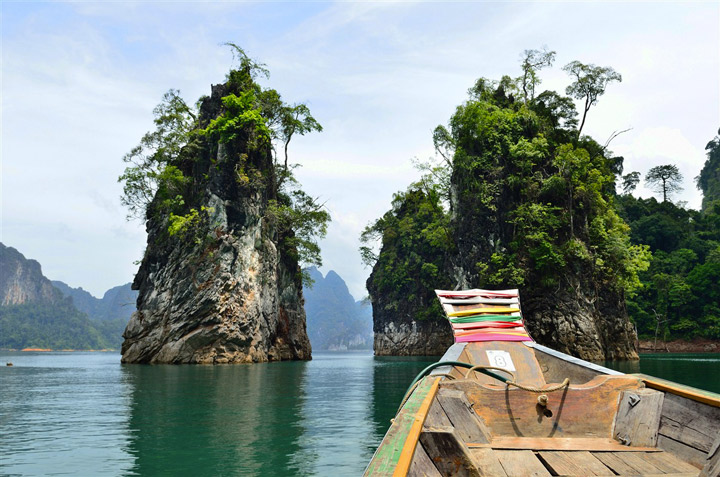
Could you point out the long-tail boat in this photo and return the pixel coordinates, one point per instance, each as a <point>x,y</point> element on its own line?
<point>499,404</point>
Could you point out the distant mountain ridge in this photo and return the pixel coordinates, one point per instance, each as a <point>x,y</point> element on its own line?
<point>38,313</point>
<point>35,314</point>
<point>117,303</point>
<point>22,281</point>
<point>335,321</point>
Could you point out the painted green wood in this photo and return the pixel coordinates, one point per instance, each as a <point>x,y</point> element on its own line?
<point>708,397</point>
<point>388,453</point>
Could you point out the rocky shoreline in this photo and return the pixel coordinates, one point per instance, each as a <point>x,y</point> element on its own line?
<point>679,346</point>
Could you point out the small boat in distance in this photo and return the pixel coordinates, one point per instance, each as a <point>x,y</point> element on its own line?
<point>499,404</point>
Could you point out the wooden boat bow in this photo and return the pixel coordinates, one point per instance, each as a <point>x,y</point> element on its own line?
<point>602,423</point>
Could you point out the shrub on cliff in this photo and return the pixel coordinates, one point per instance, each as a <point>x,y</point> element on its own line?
<point>167,171</point>
<point>528,202</point>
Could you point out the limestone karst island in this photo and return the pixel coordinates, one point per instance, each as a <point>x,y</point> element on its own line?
<point>227,224</point>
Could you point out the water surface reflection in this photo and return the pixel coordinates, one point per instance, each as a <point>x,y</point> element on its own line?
<point>216,420</point>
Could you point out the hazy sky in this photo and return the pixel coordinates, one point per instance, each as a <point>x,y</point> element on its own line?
<point>80,80</point>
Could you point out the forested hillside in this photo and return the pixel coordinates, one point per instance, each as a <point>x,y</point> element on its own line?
<point>34,314</point>
<point>109,314</point>
<point>680,292</point>
<point>519,198</point>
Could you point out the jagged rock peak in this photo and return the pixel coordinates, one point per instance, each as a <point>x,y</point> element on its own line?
<point>232,293</point>
<point>22,280</point>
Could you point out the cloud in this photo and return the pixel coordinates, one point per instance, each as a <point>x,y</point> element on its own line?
<point>80,81</point>
<point>658,146</point>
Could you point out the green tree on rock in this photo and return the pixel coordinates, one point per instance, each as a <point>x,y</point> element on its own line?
<point>590,83</point>
<point>664,179</point>
<point>170,168</point>
<point>708,181</point>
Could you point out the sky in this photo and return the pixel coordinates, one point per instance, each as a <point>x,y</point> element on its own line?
<point>80,81</point>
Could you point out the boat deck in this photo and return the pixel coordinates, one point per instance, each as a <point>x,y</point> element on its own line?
<point>499,405</point>
<point>509,463</point>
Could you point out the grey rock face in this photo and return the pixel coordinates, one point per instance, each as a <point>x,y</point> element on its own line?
<point>22,281</point>
<point>582,324</point>
<point>233,296</point>
<point>412,338</point>
<point>399,333</point>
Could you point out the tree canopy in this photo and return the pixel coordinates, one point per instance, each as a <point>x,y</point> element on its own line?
<point>665,180</point>
<point>163,176</point>
<point>590,83</point>
<point>527,199</point>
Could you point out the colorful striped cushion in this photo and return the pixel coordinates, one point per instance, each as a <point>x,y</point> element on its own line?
<point>484,315</point>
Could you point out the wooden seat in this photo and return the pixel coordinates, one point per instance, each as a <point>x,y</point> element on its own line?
<point>582,411</point>
<point>522,359</point>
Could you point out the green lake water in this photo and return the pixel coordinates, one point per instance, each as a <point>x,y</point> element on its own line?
<point>700,370</point>
<point>86,414</point>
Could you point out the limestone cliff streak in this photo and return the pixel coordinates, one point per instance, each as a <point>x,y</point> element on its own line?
<point>412,338</point>
<point>233,295</point>
<point>22,281</point>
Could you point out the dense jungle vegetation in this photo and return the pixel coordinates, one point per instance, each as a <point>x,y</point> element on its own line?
<point>680,292</point>
<point>167,172</point>
<point>518,197</point>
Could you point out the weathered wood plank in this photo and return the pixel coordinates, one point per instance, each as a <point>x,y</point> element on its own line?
<point>638,461</point>
<point>692,423</point>
<point>638,417</point>
<point>588,462</point>
<point>560,463</point>
<point>436,417</point>
<point>387,455</point>
<point>694,394</point>
<point>487,462</point>
<point>682,451</point>
<point>579,411</point>
<point>682,474</point>
<point>453,353</point>
<point>421,465</point>
<point>712,462</point>
<point>561,443</point>
<point>467,424</point>
<point>450,456</point>
<point>669,463</point>
<point>521,463</point>
<point>617,464</point>
<point>557,366</point>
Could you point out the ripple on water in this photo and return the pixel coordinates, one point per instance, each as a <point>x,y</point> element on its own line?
<point>85,414</point>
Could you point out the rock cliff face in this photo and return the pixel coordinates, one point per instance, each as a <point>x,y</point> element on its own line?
<point>399,336</point>
<point>399,333</point>
<point>529,205</point>
<point>231,295</point>
<point>22,281</point>
<point>581,322</point>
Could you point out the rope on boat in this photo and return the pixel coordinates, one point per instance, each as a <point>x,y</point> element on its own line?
<point>427,370</point>
<point>532,389</point>
<point>412,388</point>
<point>483,369</point>
<point>480,367</point>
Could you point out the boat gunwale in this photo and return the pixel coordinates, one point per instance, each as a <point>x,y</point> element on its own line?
<point>413,420</point>
<point>694,394</point>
